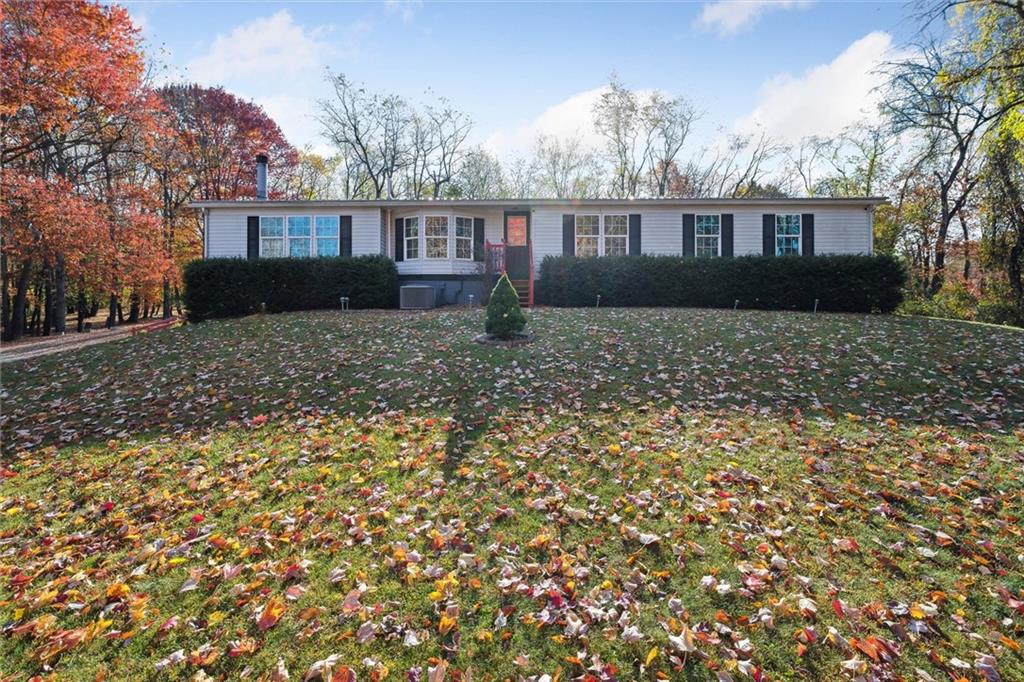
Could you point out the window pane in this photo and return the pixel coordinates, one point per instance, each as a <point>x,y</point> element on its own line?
<point>327,226</point>
<point>300,226</point>
<point>326,246</point>
<point>464,227</point>
<point>437,247</point>
<point>617,225</point>
<point>707,225</point>
<point>272,227</point>
<point>786,246</point>
<point>589,225</point>
<point>615,246</point>
<point>586,246</point>
<point>412,248</point>
<point>464,248</point>
<point>706,247</point>
<point>298,247</point>
<point>787,224</point>
<point>272,248</point>
<point>436,226</point>
<point>412,227</point>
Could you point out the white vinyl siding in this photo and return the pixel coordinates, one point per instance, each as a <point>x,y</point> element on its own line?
<point>842,231</point>
<point>661,233</point>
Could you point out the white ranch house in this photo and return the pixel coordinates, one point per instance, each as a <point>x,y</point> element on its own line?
<point>447,244</point>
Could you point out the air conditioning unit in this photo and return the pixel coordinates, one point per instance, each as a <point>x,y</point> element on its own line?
<point>416,297</point>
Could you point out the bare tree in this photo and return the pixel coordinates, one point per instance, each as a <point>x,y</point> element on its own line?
<point>479,176</point>
<point>449,127</point>
<point>805,157</point>
<point>370,129</point>
<point>624,119</point>
<point>949,119</point>
<point>565,169</point>
<point>521,180</point>
<point>670,122</point>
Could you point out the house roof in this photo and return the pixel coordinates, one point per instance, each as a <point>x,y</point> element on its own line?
<point>866,202</point>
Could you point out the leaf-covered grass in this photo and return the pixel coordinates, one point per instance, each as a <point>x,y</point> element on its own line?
<point>637,494</point>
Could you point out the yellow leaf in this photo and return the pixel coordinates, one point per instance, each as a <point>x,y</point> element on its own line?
<point>651,655</point>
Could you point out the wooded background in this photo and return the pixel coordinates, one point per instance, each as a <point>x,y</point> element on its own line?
<point>98,163</point>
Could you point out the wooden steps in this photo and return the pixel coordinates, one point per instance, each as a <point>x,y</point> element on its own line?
<point>522,287</point>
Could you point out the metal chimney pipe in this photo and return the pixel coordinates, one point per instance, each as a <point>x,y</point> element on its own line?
<point>261,176</point>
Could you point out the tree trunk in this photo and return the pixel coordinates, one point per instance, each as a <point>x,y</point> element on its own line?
<point>167,299</point>
<point>177,300</point>
<point>47,299</point>
<point>16,329</point>
<point>94,309</point>
<point>60,298</point>
<point>967,247</point>
<point>81,306</point>
<point>938,270</point>
<point>5,297</point>
<point>133,307</point>
<point>112,312</point>
<point>120,313</point>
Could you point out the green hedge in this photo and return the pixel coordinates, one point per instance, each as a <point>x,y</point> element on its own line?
<point>840,283</point>
<point>229,287</point>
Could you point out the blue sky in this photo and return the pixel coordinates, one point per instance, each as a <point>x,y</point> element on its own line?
<point>790,67</point>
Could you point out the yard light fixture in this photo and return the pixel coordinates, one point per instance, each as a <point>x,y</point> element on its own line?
<point>736,304</point>
<point>598,301</point>
<point>815,305</point>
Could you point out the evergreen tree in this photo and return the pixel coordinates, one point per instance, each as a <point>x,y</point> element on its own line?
<point>504,316</point>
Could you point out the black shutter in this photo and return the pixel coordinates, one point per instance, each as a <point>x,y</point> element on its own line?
<point>634,234</point>
<point>478,239</point>
<point>345,244</point>
<point>253,241</point>
<point>688,240</point>
<point>727,248</point>
<point>768,234</point>
<point>807,234</point>
<point>399,240</point>
<point>569,235</point>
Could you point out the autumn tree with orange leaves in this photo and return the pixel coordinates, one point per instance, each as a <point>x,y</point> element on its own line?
<point>74,122</point>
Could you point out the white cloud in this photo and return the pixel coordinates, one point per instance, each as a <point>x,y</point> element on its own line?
<point>729,16</point>
<point>279,64</point>
<point>571,117</point>
<point>825,98</point>
<point>266,47</point>
<point>405,9</point>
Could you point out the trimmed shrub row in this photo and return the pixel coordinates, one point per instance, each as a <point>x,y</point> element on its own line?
<point>230,287</point>
<point>860,284</point>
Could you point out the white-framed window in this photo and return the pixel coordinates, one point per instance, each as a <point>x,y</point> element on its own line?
<point>787,234</point>
<point>435,229</point>
<point>327,235</point>
<point>300,236</point>
<point>463,238</point>
<point>602,235</point>
<point>271,236</point>
<point>707,236</point>
<point>588,235</point>
<point>616,235</point>
<point>412,238</point>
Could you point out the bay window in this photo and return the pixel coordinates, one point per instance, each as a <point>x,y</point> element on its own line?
<point>435,229</point>
<point>707,236</point>
<point>412,238</point>
<point>463,238</point>
<point>787,234</point>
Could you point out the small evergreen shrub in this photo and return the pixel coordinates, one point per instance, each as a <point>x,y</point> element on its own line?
<point>230,287</point>
<point>860,284</point>
<point>504,316</point>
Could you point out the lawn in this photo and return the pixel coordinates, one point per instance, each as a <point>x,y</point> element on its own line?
<point>639,494</point>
